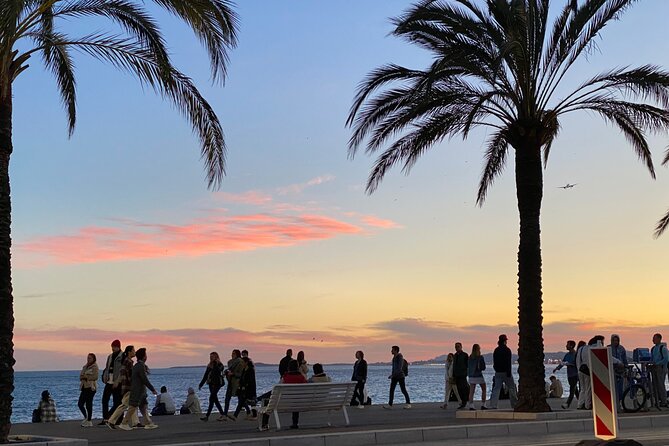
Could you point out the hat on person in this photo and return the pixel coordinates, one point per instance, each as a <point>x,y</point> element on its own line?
<point>116,343</point>
<point>503,337</point>
<point>45,394</point>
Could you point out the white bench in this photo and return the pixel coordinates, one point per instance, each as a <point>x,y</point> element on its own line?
<point>308,398</point>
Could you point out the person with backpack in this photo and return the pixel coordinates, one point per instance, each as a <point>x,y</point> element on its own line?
<point>214,379</point>
<point>660,357</point>
<point>110,375</point>
<point>399,371</point>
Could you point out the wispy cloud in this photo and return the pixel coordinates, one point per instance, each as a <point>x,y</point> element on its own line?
<point>376,222</point>
<point>251,197</point>
<point>300,187</point>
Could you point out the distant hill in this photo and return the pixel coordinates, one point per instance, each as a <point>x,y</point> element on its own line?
<point>549,357</point>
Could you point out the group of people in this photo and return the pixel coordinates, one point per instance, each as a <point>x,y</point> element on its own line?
<point>465,371</point>
<point>577,361</point>
<point>296,371</point>
<point>125,383</point>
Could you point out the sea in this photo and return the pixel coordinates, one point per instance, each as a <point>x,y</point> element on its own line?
<point>425,383</point>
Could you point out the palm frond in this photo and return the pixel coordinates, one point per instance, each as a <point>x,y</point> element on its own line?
<point>214,22</point>
<point>132,56</point>
<point>662,225</point>
<point>631,119</point>
<point>133,19</point>
<point>495,160</point>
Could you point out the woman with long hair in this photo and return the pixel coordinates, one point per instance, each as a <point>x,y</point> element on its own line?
<point>475,368</point>
<point>213,378</point>
<point>88,378</point>
<point>302,364</point>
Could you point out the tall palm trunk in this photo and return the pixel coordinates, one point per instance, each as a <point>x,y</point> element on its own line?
<point>529,192</point>
<point>6,299</point>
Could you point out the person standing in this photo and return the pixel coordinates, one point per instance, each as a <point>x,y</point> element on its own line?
<point>501,362</point>
<point>569,360</point>
<point>584,371</point>
<point>449,385</point>
<point>110,375</point>
<point>360,378</point>
<point>283,364</point>
<point>213,377</point>
<point>88,379</point>
<point>475,368</point>
<point>397,377</point>
<point>619,356</point>
<point>138,401</point>
<point>660,357</point>
<point>460,365</point>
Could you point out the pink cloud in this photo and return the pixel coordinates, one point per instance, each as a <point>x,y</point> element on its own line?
<point>211,235</point>
<point>377,222</point>
<point>298,188</point>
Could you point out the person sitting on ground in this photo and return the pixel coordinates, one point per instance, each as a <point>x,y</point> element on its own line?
<point>164,404</point>
<point>319,375</point>
<point>555,389</point>
<point>47,408</point>
<point>192,404</point>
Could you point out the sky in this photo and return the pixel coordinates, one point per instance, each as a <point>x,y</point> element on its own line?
<point>116,236</point>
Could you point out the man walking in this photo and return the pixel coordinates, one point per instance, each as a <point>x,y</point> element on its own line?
<point>501,362</point>
<point>397,377</point>
<point>569,360</point>
<point>460,368</point>
<point>139,383</point>
<point>110,375</point>
<point>660,357</point>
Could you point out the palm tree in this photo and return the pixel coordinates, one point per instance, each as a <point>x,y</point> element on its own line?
<point>663,224</point>
<point>31,27</point>
<point>499,65</point>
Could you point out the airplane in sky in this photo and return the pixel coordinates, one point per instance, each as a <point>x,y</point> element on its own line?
<point>567,186</point>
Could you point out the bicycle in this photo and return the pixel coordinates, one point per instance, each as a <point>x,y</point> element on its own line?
<point>639,389</point>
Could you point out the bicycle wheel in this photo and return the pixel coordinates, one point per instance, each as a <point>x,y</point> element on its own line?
<point>634,398</point>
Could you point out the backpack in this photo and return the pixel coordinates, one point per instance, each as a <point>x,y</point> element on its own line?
<point>37,415</point>
<point>405,367</point>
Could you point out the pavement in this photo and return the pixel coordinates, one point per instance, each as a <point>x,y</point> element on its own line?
<point>424,424</point>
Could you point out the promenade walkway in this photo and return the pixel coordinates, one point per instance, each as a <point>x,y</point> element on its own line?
<point>425,422</point>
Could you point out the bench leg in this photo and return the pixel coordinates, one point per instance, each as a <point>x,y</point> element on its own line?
<point>276,418</point>
<point>343,408</point>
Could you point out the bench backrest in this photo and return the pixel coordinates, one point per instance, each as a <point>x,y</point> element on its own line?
<point>312,396</point>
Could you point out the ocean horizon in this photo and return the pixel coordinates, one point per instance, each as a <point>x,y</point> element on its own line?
<point>425,383</point>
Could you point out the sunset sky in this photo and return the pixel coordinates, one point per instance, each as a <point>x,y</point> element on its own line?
<point>117,236</point>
